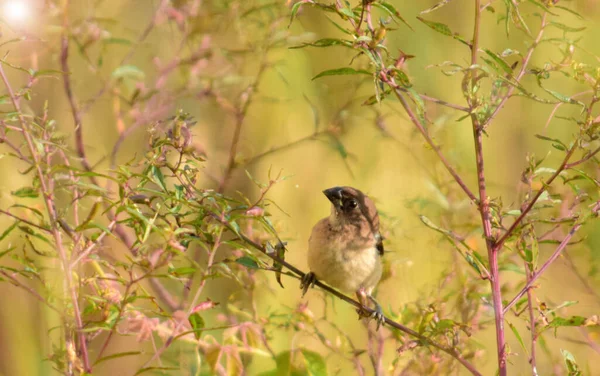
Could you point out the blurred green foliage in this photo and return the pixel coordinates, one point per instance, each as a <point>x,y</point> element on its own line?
<point>189,136</point>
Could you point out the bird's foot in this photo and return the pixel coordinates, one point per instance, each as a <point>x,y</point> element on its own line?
<point>308,280</point>
<point>376,314</point>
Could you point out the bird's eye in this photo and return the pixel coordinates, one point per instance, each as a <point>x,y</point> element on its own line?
<point>352,204</point>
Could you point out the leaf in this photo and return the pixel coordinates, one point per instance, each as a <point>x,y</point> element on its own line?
<point>247,262</point>
<point>347,12</point>
<point>122,41</point>
<point>128,71</point>
<point>185,270</point>
<point>295,9</point>
<point>516,333</point>
<point>315,364</point>
<point>569,11</point>
<point>26,192</point>
<point>566,28</point>
<point>280,252</point>
<point>341,72</point>
<point>117,355</point>
<point>197,323</point>
<point>159,178</point>
<point>556,140</point>
<point>558,322</point>
<point>9,230</point>
<point>444,29</point>
<point>392,11</point>
<point>498,60</point>
<point>435,7</point>
<point>570,363</point>
<point>146,369</point>
<point>325,42</point>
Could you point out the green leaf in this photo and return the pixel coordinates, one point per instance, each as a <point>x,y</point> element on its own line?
<point>566,28</point>
<point>325,42</point>
<point>444,29</point>
<point>247,262</point>
<point>516,333</point>
<point>148,369</point>
<point>117,355</point>
<point>295,9</point>
<point>558,322</point>
<point>498,60</point>
<point>122,41</point>
<point>555,140</point>
<point>389,8</point>
<point>128,71</point>
<point>435,7</point>
<point>570,363</point>
<point>26,192</point>
<point>347,12</point>
<point>197,323</point>
<point>315,364</point>
<point>341,72</point>
<point>569,11</point>
<point>159,178</point>
<point>9,230</point>
<point>185,270</point>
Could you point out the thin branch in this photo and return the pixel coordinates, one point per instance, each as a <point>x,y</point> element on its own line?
<point>442,102</point>
<point>582,160</point>
<point>64,63</point>
<point>521,73</point>
<point>484,204</point>
<point>25,221</point>
<point>425,340</point>
<point>276,149</point>
<point>240,117</point>
<point>413,117</point>
<point>561,247</point>
<point>49,203</point>
<point>31,291</point>
<point>534,335</point>
<point>563,166</point>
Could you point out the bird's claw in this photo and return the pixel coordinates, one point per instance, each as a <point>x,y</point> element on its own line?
<point>308,280</point>
<point>376,314</point>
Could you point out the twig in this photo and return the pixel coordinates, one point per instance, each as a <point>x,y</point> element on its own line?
<point>64,63</point>
<point>428,139</point>
<point>582,160</point>
<point>521,73</point>
<point>448,350</point>
<point>550,260</point>
<point>25,221</point>
<point>240,117</point>
<point>484,204</point>
<point>563,166</point>
<point>49,203</point>
<point>534,335</point>
<point>31,291</point>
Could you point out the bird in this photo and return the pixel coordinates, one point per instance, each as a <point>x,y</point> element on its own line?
<point>345,248</point>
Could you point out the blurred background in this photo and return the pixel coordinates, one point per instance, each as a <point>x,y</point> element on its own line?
<point>136,62</point>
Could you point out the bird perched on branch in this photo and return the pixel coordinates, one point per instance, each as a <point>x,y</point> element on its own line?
<point>345,249</point>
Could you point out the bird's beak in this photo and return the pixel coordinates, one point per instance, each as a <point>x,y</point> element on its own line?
<point>334,195</point>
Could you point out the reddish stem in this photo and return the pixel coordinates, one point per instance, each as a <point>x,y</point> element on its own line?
<point>484,205</point>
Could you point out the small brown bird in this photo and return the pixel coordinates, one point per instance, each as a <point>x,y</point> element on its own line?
<point>345,249</point>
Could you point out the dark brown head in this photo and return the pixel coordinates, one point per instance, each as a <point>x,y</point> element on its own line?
<point>352,206</point>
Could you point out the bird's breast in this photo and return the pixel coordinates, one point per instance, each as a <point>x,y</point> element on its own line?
<point>343,262</point>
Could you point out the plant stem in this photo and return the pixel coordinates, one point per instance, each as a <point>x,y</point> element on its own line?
<point>484,204</point>
<point>53,217</point>
<point>550,260</point>
<point>425,340</point>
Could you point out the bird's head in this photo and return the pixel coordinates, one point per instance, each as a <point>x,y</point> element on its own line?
<point>349,205</point>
